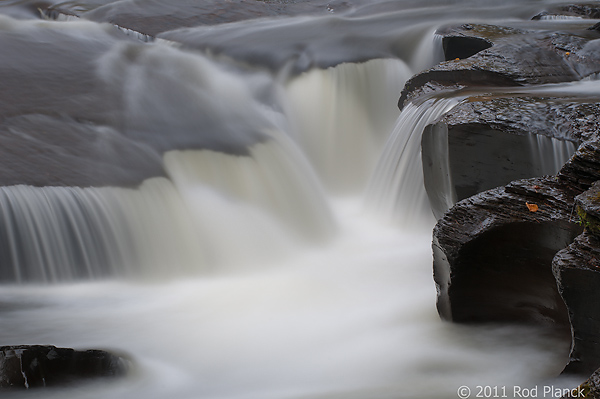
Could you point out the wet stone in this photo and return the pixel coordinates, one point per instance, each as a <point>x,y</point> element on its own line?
<point>37,366</point>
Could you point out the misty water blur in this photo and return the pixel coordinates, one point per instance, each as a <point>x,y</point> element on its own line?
<point>250,268</point>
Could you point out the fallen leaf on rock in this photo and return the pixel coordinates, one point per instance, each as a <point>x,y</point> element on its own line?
<point>532,207</point>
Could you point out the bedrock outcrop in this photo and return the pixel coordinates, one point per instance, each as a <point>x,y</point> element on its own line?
<point>577,272</point>
<point>36,366</point>
<point>493,251</point>
<point>519,253</point>
<point>504,56</point>
<point>516,248</point>
<point>493,138</point>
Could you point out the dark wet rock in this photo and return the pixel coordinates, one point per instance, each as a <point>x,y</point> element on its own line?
<point>492,139</point>
<point>493,251</point>
<point>499,255</point>
<point>463,46</point>
<point>591,10</point>
<point>583,169</point>
<point>588,209</point>
<point>65,83</point>
<point>589,389</point>
<point>517,57</point>
<point>36,366</point>
<point>577,271</point>
<point>20,10</point>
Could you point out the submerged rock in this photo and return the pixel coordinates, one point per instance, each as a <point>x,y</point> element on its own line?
<point>152,18</point>
<point>590,10</point>
<point>35,366</point>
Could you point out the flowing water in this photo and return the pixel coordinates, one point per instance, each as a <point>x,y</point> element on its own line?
<point>246,266</point>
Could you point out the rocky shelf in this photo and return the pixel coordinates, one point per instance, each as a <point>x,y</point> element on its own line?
<point>514,243</point>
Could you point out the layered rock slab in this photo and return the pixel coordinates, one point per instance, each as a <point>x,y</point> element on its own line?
<point>492,254</point>
<point>499,255</point>
<point>508,56</point>
<point>577,271</point>
<point>494,138</point>
<point>493,251</point>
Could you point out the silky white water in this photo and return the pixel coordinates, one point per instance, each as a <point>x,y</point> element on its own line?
<point>396,188</point>
<point>251,270</point>
<point>353,320</point>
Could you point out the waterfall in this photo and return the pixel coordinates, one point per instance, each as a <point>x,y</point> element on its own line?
<point>396,188</point>
<point>271,179</point>
<point>246,267</point>
<point>52,234</point>
<point>549,154</point>
<point>342,116</point>
<point>223,210</point>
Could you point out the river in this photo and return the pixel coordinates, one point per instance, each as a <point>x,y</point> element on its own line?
<point>255,260</point>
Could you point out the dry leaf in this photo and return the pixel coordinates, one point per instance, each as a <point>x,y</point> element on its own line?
<point>532,207</point>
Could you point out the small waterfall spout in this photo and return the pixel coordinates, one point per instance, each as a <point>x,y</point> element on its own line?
<point>549,154</point>
<point>396,188</point>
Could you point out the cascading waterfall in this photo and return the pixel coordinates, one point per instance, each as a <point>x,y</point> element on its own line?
<point>396,188</point>
<point>549,154</point>
<point>273,178</point>
<point>343,115</point>
<point>241,272</point>
<point>53,234</point>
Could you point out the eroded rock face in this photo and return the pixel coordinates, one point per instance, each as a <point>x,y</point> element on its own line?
<point>36,366</point>
<point>498,254</point>
<point>584,168</point>
<point>492,254</point>
<point>492,139</point>
<point>577,271</point>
